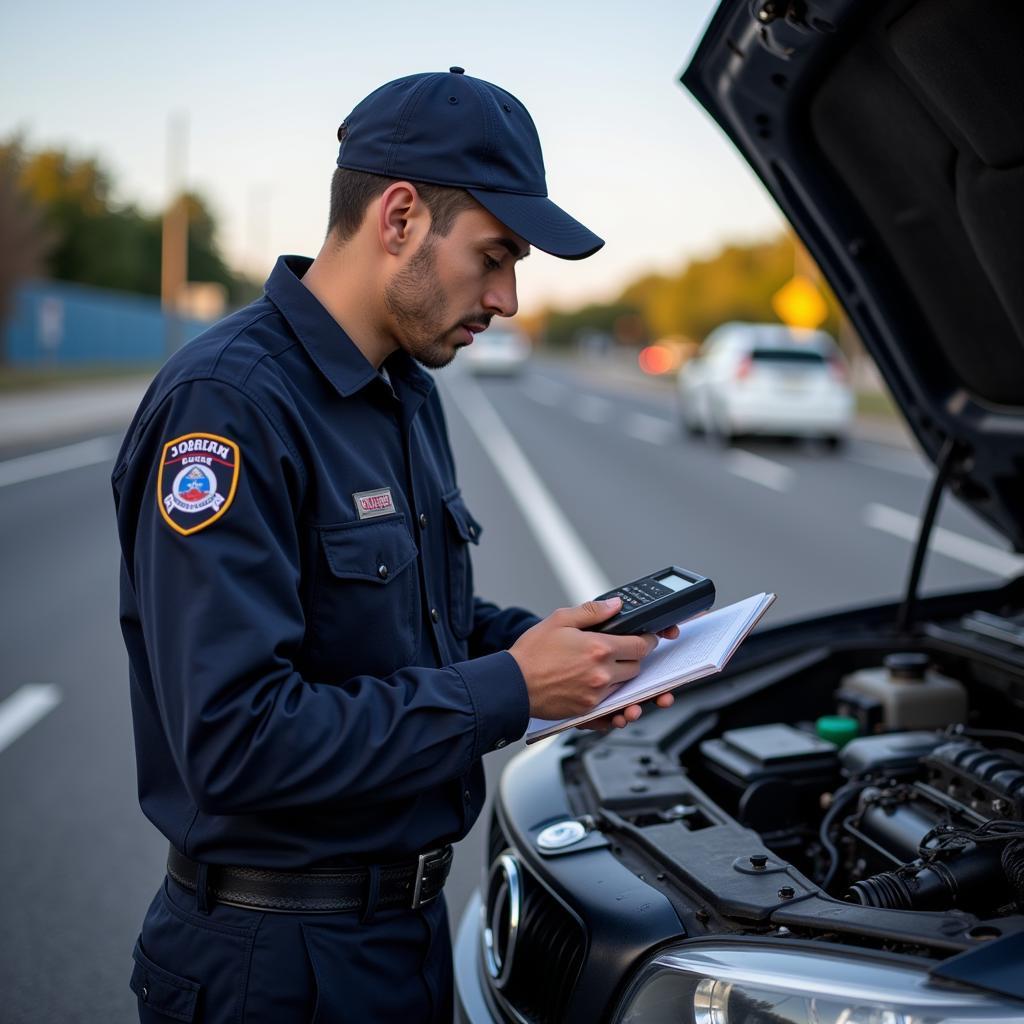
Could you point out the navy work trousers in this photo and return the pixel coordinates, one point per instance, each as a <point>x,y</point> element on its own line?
<point>226,965</point>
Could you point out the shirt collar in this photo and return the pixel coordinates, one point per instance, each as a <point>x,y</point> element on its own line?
<point>330,348</point>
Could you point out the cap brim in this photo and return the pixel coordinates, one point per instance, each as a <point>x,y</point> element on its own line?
<point>541,223</point>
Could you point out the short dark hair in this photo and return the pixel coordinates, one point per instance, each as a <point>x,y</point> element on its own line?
<point>352,191</point>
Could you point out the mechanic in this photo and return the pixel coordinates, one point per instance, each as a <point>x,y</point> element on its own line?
<point>313,681</point>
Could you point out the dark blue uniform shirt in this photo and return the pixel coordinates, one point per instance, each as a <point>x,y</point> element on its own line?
<point>312,678</point>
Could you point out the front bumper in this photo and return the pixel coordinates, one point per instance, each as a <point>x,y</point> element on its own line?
<point>471,1006</point>
<point>584,918</point>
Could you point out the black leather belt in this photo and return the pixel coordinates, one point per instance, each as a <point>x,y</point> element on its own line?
<point>409,884</point>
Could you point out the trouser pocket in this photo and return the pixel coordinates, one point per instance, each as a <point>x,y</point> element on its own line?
<point>162,995</point>
<point>190,967</point>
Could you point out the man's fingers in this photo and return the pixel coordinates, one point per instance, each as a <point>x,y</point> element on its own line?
<point>633,648</point>
<point>670,633</point>
<point>590,613</point>
<point>622,718</point>
<point>622,672</point>
<point>627,715</point>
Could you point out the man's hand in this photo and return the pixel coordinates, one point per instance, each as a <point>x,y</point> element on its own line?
<point>569,671</point>
<point>620,719</point>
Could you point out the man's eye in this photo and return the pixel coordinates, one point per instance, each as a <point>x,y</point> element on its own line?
<point>491,263</point>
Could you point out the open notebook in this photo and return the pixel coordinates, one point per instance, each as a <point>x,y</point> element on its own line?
<point>704,646</point>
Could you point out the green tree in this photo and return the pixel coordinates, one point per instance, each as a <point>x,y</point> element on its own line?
<point>736,283</point>
<point>619,320</point>
<point>96,241</point>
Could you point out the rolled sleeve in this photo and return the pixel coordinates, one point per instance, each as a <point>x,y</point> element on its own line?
<point>500,700</point>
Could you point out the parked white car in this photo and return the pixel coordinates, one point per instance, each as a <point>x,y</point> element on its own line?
<point>501,349</point>
<point>766,379</point>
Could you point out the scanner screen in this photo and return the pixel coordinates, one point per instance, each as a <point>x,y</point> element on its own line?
<point>674,582</point>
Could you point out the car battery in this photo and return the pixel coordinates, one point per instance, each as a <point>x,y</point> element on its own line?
<point>775,773</point>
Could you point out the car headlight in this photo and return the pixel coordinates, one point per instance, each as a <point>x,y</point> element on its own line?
<point>756,984</point>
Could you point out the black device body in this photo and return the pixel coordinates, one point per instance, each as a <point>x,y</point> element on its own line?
<point>658,601</point>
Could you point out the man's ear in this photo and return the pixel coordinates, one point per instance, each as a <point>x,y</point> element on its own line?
<point>402,217</point>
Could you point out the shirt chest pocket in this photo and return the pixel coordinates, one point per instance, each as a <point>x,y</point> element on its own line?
<point>365,605</point>
<point>463,530</point>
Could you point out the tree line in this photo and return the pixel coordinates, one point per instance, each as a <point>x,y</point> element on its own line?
<point>59,219</point>
<point>736,283</point>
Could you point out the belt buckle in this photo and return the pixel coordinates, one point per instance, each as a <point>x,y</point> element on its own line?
<point>421,869</point>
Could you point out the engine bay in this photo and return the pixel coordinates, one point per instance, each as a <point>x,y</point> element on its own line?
<point>869,794</point>
<point>913,820</point>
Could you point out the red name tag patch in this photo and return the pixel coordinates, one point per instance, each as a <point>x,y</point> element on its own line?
<point>374,503</point>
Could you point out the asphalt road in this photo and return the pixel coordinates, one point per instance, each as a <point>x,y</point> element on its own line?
<point>78,860</point>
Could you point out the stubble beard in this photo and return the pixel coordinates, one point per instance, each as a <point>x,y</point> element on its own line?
<point>415,300</point>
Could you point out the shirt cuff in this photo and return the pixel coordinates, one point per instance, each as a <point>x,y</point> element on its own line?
<point>500,700</point>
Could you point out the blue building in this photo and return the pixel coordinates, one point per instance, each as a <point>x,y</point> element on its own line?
<point>55,323</point>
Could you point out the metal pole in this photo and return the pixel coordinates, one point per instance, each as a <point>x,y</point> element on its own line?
<point>174,241</point>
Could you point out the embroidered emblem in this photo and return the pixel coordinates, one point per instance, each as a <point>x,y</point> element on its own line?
<point>374,503</point>
<point>197,480</point>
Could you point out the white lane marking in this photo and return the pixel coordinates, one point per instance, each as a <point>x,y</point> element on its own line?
<point>592,409</point>
<point>907,464</point>
<point>573,565</point>
<point>25,707</point>
<point>543,391</point>
<point>760,470</point>
<point>945,542</point>
<point>58,460</point>
<point>649,428</point>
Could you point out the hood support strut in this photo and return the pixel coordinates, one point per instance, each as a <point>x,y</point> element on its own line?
<point>943,468</point>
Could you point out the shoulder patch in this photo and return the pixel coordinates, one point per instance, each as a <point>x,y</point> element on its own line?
<point>197,480</point>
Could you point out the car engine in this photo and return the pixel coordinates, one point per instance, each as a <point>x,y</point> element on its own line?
<point>920,821</point>
<point>891,790</point>
<point>969,799</point>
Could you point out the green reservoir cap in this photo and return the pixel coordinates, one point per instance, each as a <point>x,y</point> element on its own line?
<point>837,729</point>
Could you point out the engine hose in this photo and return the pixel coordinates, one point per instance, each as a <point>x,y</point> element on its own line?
<point>971,879</point>
<point>841,799</point>
<point>1013,866</point>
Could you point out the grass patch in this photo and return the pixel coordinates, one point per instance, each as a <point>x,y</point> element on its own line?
<point>41,378</point>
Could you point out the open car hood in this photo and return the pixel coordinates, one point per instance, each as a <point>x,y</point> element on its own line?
<point>891,134</point>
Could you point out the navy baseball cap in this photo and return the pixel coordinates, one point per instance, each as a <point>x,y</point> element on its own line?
<point>446,128</point>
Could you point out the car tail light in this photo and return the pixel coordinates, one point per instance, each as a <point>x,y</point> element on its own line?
<point>839,371</point>
<point>743,368</point>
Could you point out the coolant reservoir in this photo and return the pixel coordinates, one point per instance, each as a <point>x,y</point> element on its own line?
<point>910,694</point>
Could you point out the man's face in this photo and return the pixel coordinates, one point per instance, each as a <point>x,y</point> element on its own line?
<point>451,286</point>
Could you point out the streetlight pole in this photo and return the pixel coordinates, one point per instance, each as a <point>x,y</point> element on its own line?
<point>174,238</point>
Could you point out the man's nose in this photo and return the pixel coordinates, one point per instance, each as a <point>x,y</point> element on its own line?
<point>502,298</point>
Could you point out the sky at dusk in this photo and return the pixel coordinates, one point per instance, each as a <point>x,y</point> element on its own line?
<point>262,88</point>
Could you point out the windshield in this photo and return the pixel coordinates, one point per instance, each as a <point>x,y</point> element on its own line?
<point>790,356</point>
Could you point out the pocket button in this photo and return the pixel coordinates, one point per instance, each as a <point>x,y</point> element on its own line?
<point>382,571</point>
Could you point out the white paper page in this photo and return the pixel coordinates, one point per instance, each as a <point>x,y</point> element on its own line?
<point>701,648</point>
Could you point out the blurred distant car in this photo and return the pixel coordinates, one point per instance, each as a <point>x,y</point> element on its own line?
<point>500,350</point>
<point>766,379</point>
